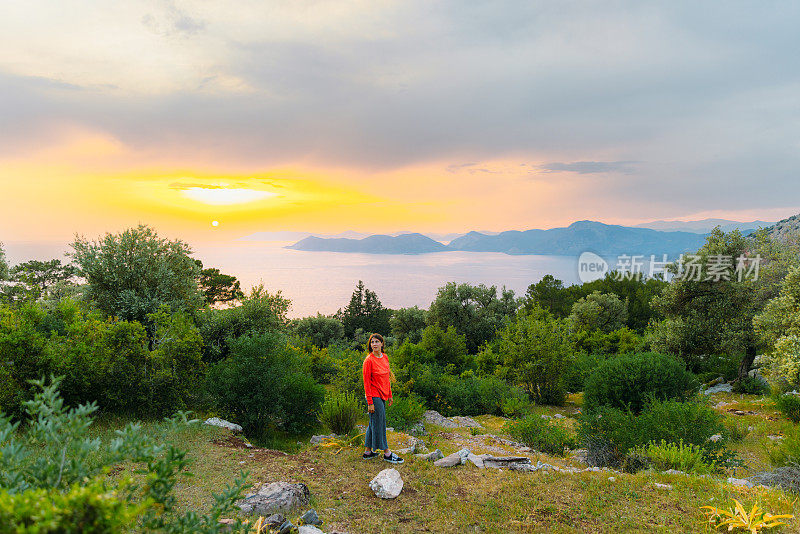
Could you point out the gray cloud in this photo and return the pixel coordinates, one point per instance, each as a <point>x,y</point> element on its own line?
<point>590,167</point>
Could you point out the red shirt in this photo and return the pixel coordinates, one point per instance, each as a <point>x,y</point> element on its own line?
<point>376,377</point>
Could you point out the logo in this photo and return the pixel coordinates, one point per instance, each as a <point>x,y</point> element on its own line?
<point>591,267</point>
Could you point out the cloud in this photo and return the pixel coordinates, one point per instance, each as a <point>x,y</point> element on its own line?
<point>590,167</point>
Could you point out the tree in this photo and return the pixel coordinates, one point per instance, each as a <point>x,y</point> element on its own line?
<point>408,324</point>
<point>39,277</point>
<point>705,316</point>
<point>133,273</point>
<point>778,326</point>
<point>476,312</point>
<point>598,311</point>
<point>320,331</point>
<point>364,312</point>
<point>3,263</point>
<point>218,287</point>
<point>549,293</point>
<point>448,347</point>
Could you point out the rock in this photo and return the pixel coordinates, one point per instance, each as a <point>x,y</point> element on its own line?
<point>757,375</point>
<point>275,497</point>
<point>719,388</point>
<point>418,429</point>
<point>435,418</point>
<point>740,482</point>
<point>452,460</point>
<point>663,486</point>
<point>722,404</point>
<point>774,437</point>
<point>431,456</point>
<point>468,422</point>
<point>715,438</point>
<point>216,421</point>
<point>477,459</point>
<point>286,528</point>
<point>415,445</point>
<point>309,529</point>
<point>504,462</point>
<point>316,440</point>
<point>387,484</point>
<point>275,520</point>
<point>674,472</point>
<point>310,518</point>
<point>559,416</point>
<point>612,479</point>
<point>545,416</point>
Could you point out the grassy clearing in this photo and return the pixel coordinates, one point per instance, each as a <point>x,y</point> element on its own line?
<point>468,499</point>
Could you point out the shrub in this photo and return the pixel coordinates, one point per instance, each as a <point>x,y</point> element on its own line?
<point>541,434</point>
<point>340,412</point>
<point>789,405</point>
<point>750,385</point>
<point>515,406</point>
<point>683,457</point>
<point>404,412</point>
<point>264,385</point>
<point>627,381</point>
<point>581,369</point>
<point>320,331</point>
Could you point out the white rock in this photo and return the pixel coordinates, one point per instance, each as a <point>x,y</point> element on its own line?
<point>559,416</point>
<point>387,484</point>
<point>612,479</point>
<point>715,438</point>
<point>663,486</point>
<point>673,472</point>
<point>309,529</point>
<point>740,482</point>
<point>545,416</point>
<point>216,421</point>
<point>477,459</point>
<point>720,388</point>
<point>431,456</point>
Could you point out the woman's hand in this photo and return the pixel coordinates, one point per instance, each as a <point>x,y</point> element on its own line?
<point>389,402</point>
<point>371,408</point>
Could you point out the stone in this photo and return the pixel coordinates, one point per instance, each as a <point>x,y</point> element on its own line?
<point>504,462</point>
<point>435,418</point>
<point>674,472</point>
<point>477,459</point>
<point>719,388</point>
<point>275,520</point>
<point>216,421</point>
<point>612,479</point>
<point>316,440</point>
<point>559,416</point>
<point>431,456</point>
<point>309,529</point>
<point>275,497</point>
<point>715,438</point>
<point>545,416</point>
<point>310,518</point>
<point>663,486</point>
<point>722,404</point>
<point>754,373</point>
<point>452,460</point>
<point>467,422</point>
<point>387,484</point>
<point>418,429</point>
<point>775,437</point>
<point>286,528</point>
<point>740,482</point>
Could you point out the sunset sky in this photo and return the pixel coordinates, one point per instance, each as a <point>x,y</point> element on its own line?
<point>385,116</point>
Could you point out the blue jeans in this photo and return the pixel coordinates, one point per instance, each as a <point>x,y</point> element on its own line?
<point>375,437</point>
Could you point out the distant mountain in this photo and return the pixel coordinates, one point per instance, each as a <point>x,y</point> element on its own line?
<point>704,226</point>
<point>375,244</point>
<point>293,236</point>
<point>581,236</point>
<point>785,228</point>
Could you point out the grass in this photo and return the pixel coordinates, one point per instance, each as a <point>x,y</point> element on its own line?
<point>468,499</point>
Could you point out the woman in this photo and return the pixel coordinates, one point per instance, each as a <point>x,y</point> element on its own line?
<point>378,390</point>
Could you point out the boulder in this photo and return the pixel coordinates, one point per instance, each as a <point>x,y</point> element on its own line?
<point>663,486</point>
<point>286,528</point>
<point>452,460</point>
<point>435,418</point>
<point>316,440</point>
<point>387,484</point>
<point>431,456</point>
<point>275,497</point>
<point>504,462</point>
<point>309,529</point>
<point>468,422</point>
<point>216,421</point>
<point>477,459</point>
<point>740,482</point>
<point>719,388</point>
<point>310,518</point>
<point>275,520</point>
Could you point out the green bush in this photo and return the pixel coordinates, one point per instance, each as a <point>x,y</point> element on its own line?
<point>789,405</point>
<point>581,368</point>
<point>626,382</point>
<point>610,433</point>
<point>265,385</point>
<point>683,457</point>
<point>515,406</point>
<point>540,434</point>
<point>75,494</point>
<point>404,412</point>
<point>340,412</point>
<point>750,386</point>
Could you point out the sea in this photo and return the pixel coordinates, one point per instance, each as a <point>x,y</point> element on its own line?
<point>322,282</point>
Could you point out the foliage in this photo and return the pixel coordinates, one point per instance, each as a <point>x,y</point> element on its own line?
<point>706,315</point>
<point>257,313</point>
<point>365,312</point>
<point>321,331</point>
<point>134,273</point>
<point>550,294</point>
<point>738,518</point>
<point>348,375</point>
<point>533,351</point>
<point>541,434</point>
<point>404,412</point>
<point>683,457</point>
<point>627,381</point>
<point>621,341</point>
<point>778,327</point>
<point>340,412</point>
<point>515,406</point>
<point>218,287</point>
<point>580,369</point>
<point>610,433</point>
<point>38,278</point>
<point>598,311</point>
<point>54,475</point>
<point>789,406</point>
<point>750,385</point>
<point>3,263</point>
<point>476,312</point>
<point>446,347</point>
<point>408,324</point>
<point>265,384</point>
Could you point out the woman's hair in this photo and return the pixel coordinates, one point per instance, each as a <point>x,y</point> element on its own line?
<point>379,338</point>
